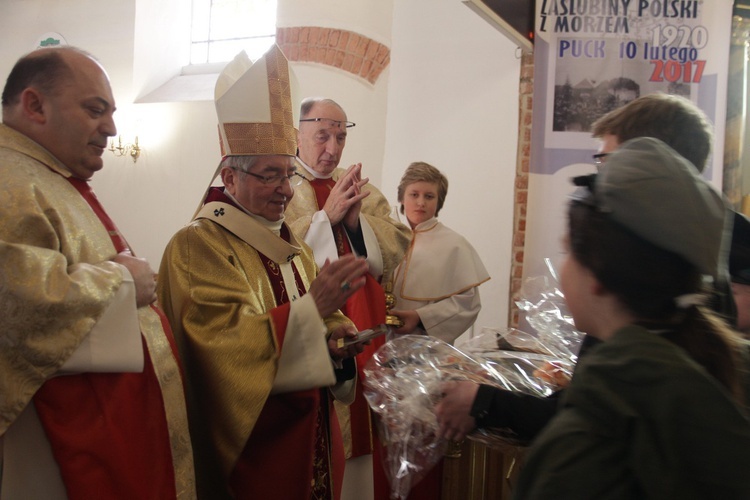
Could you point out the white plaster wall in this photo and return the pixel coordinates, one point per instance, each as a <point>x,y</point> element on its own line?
<point>161,43</point>
<point>104,28</point>
<point>453,102</point>
<point>372,19</point>
<point>549,196</point>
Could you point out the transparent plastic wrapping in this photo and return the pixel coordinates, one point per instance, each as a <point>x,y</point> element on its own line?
<point>403,379</point>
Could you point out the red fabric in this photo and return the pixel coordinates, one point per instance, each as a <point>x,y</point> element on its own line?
<point>287,431</point>
<point>322,188</point>
<point>108,431</point>
<point>277,461</point>
<point>366,308</point>
<point>280,318</point>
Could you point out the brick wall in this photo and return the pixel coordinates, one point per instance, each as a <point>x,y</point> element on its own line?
<point>521,191</point>
<point>346,50</point>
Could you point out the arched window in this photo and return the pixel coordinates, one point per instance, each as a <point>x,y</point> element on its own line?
<point>221,28</point>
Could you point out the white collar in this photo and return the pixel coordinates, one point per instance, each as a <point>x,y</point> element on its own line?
<point>313,172</point>
<point>272,225</point>
<point>426,225</point>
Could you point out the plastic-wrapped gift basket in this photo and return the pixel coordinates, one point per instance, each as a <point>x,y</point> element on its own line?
<point>403,379</point>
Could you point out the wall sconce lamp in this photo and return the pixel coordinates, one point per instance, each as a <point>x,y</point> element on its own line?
<point>132,150</point>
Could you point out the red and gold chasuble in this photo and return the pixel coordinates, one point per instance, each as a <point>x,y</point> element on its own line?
<point>290,424</point>
<point>103,436</point>
<point>366,308</point>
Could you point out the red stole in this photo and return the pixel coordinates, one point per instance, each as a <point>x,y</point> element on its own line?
<point>108,431</point>
<point>366,308</point>
<point>291,452</point>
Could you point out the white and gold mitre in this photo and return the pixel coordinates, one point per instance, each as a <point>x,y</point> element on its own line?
<point>257,106</point>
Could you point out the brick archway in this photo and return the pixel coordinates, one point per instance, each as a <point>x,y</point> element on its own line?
<point>342,49</point>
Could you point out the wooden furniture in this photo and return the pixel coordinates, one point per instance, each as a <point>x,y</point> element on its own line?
<point>477,472</point>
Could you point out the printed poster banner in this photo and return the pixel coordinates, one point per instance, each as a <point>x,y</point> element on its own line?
<point>592,56</point>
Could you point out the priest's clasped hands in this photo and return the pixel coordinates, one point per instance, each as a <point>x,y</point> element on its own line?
<point>345,201</point>
<point>143,277</point>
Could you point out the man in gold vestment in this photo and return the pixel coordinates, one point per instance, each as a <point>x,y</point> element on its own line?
<point>76,302</point>
<point>258,326</point>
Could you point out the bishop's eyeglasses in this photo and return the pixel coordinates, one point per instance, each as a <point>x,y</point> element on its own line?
<point>295,178</point>
<point>329,122</point>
